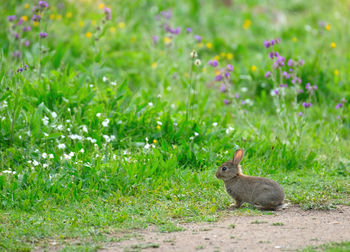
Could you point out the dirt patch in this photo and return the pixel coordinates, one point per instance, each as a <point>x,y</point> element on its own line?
<point>286,230</point>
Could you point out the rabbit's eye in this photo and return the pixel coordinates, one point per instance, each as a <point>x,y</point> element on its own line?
<point>224,168</point>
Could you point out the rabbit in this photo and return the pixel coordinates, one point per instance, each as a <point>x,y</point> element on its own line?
<point>263,193</point>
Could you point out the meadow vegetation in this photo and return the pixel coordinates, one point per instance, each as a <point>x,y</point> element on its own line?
<point>115,115</point>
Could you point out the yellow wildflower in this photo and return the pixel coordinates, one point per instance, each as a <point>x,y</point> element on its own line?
<point>253,68</point>
<point>69,15</point>
<point>328,27</point>
<point>93,22</point>
<point>336,72</point>
<point>24,18</point>
<point>217,72</point>
<point>154,64</point>
<point>204,69</point>
<point>333,45</point>
<point>186,75</point>
<point>81,23</point>
<point>52,16</point>
<point>223,54</point>
<point>167,40</point>
<point>158,127</point>
<point>174,146</point>
<point>101,6</point>
<point>26,6</point>
<point>247,23</point>
<point>133,39</point>
<point>112,29</point>
<point>154,141</point>
<point>88,34</point>
<point>58,17</point>
<point>121,25</point>
<point>295,39</point>
<point>229,56</point>
<point>209,45</point>
<point>217,57</point>
<point>35,23</point>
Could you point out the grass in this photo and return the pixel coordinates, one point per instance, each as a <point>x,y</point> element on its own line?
<point>331,247</point>
<point>101,142</point>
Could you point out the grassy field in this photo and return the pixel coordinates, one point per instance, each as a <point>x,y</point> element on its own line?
<point>114,115</point>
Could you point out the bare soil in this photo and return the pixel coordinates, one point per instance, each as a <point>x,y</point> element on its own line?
<point>286,230</point>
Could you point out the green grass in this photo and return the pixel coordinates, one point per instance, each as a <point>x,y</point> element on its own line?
<point>331,247</point>
<point>80,178</point>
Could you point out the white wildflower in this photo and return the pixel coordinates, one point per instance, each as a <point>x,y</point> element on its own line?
<point>61,146</point>
<point>44,155</point>
<point>159,123</point>
<point>105,122</point>
<point>244,89</point>
<point>215,124</point>
<point>53,114</point>
<point>98,114</point>
<point>59,127</point>
<point>45,120</point>
<point>45,165</point>
<point>104,79</point>
<point>113,83</point>
<point>35,163</point>
<point>107,138</point>
<point>150,104</point>
<point>147,146</point>
<point>196,134</point>
<point>194,54</point>
<point>45,134</point>
<point>85,129</point>
<point>51,156</point>
<point>82,150</point>
<point>197,62</point>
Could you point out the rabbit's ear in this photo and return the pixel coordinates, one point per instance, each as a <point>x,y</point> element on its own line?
<point>237,157</point>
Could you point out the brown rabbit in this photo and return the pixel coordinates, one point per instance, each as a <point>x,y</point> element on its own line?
<point>264,193</point>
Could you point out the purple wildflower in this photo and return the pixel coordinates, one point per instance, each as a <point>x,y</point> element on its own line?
<point>227,74</point>
<point>36,18</point>
<point>286,75</point>
<point>229,67</point>
<point>16,35</point>
<point>177,30</point>
<point>43,4</point>
<point>315,87</point>
<point>108,13</point>
<point>236,95</point>
<point>226,101</point>
<point>290,62</point>
<point>218,77</point>
<point>268,74</point>
<point>213,63</point>
<point>243,102</point>
<point>28,28</point>
<point>166,14</point>
<point>339,105</point>
<point>43,35</point>
<point>307,105</point>
<point>11,18</point>
<point>20,22</point>
<point>284,85</point>
<point>198,38</point>
<point>300,114</point>
<point>272,42</point>
<point>266,43</point>
<point>276,54</point>
<point>278,40</point>
<point>308,86</point>
<point>290,70</point>
<point>19,70</point>
<point>276,92</point>
<point>188,30</point>
<point>271,54</point>
<point>300,91</point>
<point>155,39</point>
<point>27,43</point>
<point>223,88</point>
<point>16,54</point>
<point>301,62</point>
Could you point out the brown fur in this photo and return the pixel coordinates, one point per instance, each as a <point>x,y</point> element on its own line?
<point>264,193</point>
